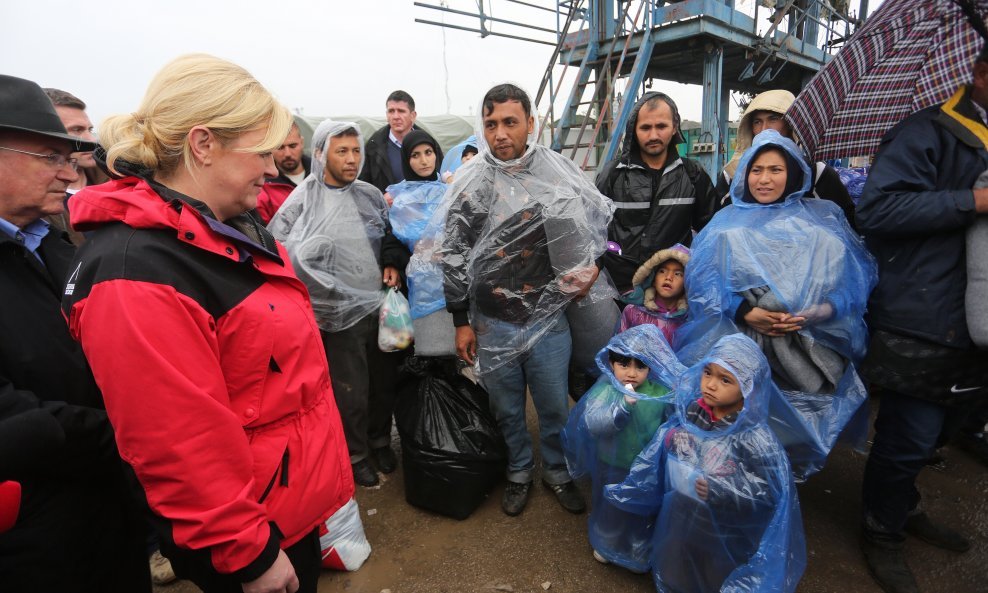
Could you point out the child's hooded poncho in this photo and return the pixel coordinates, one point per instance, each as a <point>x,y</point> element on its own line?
<point>604,435</point>
<point>793,255</point>
<point>748,535</point>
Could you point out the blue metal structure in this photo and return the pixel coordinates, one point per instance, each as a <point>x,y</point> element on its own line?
<point>711,43</point>
<point>617,48</point>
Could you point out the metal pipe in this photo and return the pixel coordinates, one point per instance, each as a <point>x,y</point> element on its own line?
<point>485,17</point>
<point>533,6</point>
<point>425,22</point>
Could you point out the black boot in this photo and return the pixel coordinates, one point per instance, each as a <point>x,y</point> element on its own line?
<point>920,527</point>
<point>886,562</point>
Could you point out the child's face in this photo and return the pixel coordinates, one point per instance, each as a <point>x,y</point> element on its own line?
<point>720,390</point>
<point>423,160</point>
<point>632,372</point>
<point>467,156</point>
<point>668,282</point>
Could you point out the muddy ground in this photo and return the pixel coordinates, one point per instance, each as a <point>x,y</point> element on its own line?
<point>419,552</point>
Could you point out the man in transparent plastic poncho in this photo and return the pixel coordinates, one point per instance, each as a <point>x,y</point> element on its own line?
<point>611,425</point>
<point>337,233</point>
<point>524,230</point>
<point>719,482</point>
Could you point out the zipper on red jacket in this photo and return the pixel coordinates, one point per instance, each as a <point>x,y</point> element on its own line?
<point>283,470</point>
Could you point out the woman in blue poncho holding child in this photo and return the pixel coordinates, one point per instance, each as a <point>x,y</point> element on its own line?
<point>792,275</point>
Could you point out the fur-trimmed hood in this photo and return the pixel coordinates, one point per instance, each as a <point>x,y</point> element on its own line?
<point>646,272</point>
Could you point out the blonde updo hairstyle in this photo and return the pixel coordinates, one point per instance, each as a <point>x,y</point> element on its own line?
<point>193,90</point>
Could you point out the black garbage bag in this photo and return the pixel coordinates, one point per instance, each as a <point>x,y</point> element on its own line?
<point>452,452</point>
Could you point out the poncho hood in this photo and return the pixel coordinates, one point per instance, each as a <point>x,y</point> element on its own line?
<point>742,357</point>
<point>647,344</point>
<point>740,198</point>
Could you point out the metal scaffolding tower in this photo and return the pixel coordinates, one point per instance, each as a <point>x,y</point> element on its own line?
<point>618,48</point>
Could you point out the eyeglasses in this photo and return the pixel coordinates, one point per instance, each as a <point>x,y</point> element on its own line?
<point>55,160</point>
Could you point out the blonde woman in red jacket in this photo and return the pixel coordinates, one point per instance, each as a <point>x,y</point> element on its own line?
<point>202,339</point>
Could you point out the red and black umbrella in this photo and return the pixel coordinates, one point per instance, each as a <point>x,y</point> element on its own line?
<point>909,55</point>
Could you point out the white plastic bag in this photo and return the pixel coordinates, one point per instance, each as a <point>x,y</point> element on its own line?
<point>395,331</point>
<point>342,541</point>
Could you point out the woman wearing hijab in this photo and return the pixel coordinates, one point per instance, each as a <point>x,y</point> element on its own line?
<point>790,273</point>
<point>416,200</point>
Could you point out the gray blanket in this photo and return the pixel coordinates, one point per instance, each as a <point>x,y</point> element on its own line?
<point>798,362</point>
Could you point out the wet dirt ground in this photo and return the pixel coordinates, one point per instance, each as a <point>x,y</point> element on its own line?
<point>546,548</point>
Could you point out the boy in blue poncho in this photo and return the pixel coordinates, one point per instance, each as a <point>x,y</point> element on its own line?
<point>610,425</point>
<point>792,275</point>
<point>719,480</point>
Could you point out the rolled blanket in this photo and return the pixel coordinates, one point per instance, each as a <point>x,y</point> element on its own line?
<point>798,362</point>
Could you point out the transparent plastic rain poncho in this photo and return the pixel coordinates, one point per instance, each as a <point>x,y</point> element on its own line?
<point>747,536</point>
<point>799,256</point>
<point>333,236</point>
<point>604,434</point>
<point>520,241</point>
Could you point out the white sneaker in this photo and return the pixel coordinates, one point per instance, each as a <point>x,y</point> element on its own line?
<point>599,558</point>
<point>161,569</point>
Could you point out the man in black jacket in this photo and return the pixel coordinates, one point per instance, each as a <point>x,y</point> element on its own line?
<point>79,530</point>
<point>914,213</point>
<point>660,197</point>
<point>383,150</point>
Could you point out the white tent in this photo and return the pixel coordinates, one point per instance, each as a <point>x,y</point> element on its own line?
<point>448,130</point>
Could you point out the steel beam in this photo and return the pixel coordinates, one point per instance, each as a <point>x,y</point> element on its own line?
<point>713,76</point>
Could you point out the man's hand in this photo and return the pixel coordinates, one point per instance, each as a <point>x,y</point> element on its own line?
<point>280,578</point>
<point>772,323</point>
<point>389,199</point>
<point>466,343</point>
<point>391,277</point>
<point>981,200</point>
<point>579,281</point>
<point>702,488</point>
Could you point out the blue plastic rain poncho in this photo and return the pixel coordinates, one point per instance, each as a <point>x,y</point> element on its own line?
<point>333,236</point>
<point>746,535</point>
<point>520,241</point>
<point>416,200</point>
<point>454,158</point>
<point>797,256</point>
<point>605,433</point>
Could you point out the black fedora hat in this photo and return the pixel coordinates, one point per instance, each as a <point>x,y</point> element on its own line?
<point>25,107</point>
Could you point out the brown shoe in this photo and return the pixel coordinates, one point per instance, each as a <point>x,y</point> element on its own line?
<point>161,569</point>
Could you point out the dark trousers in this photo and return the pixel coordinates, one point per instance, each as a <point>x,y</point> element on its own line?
<point>364,383</point>
<point>907,432</point>
<point>196,567</point>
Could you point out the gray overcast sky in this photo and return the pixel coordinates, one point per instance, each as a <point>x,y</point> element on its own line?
<point>328,57</point>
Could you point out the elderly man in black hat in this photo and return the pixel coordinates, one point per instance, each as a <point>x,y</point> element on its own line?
<point>78,528</point>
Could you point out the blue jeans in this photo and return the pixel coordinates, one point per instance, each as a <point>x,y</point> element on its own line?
<point>543,368</point>
<point>908,431</point>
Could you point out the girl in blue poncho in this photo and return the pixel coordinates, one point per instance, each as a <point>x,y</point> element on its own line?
<point>790,274</point>
<point>416,199</point>
<point>610,425</point>
<point>720,483</point>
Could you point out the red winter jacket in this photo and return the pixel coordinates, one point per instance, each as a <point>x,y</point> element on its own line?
<point>205,347</point>
<point>272,196</point>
